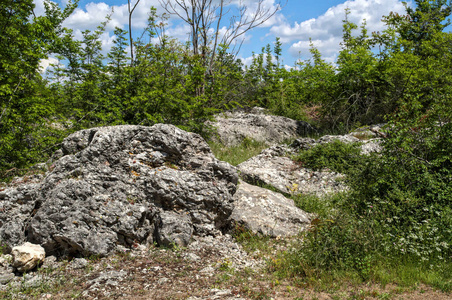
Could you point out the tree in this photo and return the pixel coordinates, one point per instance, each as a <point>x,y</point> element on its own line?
<point>424,21</point>
<point>205,15</point>
<point>24,40</point>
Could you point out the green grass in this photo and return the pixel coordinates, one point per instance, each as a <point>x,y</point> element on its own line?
<point>407,272</point>
<point>252,242</point>
<point>237,154</point>
<point>323,207</point>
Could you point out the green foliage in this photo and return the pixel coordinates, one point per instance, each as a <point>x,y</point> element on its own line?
<point>397,215</point>
<point>239,153</point>
<point>268,84</point>
<point>337,156</point>
<point>250,241</point>
<point>324,207</point>
<point>24,105</point>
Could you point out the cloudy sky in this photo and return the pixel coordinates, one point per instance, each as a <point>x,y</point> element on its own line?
<point>295,23</point>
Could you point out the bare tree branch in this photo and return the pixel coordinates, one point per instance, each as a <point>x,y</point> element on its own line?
<point>205,15</point>
<point>206,19</point>
<point>130,27</point>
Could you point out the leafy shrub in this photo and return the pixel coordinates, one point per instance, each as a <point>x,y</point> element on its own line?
<point>337,156</point>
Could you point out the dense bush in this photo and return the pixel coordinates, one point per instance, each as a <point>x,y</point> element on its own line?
<point>337,156</point>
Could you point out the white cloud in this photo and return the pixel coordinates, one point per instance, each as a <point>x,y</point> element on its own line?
<point>92,14</point>
<point>266,7</point>
<point>326,30</point>
<point>44,64</point>
<point>39,7</point>
<point>246,60</point>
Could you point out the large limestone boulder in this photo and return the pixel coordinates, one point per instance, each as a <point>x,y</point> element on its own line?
<point>233,127</point>
<point>124,185</point>
<point>27,256</point>
<point>265,212</point>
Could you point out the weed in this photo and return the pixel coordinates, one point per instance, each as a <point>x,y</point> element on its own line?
<point>239,153</point>
<point>250,241</point>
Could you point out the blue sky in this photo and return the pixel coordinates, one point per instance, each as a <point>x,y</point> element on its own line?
<point>299,20</point>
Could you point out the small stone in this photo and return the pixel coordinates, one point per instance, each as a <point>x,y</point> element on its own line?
<point>33,281</point>
<point>5,260</point>
<point>27,256</point>
<point>192,257</point>
<point>6,277</point>
<point>208,271</point>
<point>78,263</point>
<point>50,263</point>
<point>163,280</point>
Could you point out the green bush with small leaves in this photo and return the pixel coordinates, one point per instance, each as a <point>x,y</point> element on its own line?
<point>337,156</point>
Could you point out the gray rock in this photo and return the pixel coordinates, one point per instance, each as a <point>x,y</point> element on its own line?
<point>33,281</point>
<point>17,203</point>
<point>303,144</point>
<point>78,263</point>
<point>6,277</point>
<point>117,186</point>
<point>274,167</point>
<point>367,145</point>
<point>268,213</point>
<point>371,146</point>
<point>234,127</point>
<point>173,229</point>
<point>369,132</point>
<point>110,278</point>
<point>288,176</point>
<point>347,139</point>
<point>226,247</point>
<point>51,263</point>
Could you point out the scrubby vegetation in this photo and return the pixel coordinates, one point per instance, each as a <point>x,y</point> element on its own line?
<point>395,224</point>
<point>239,153</point>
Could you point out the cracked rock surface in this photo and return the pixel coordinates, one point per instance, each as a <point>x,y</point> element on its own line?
<point>273,167</point>
<point>233,127</point>
<point>268,213</point>
<point>122,185</point>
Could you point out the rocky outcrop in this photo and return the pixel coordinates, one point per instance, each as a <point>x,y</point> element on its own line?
<point>27,256</point>
<point>367,145</point>
<point>233,127</point>
<point>370,132</point>
<point>122,185</point>
<point>17,203</point>
<point>274,167</point>
<point>265,212</point>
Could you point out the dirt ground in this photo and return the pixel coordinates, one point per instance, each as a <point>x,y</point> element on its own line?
<point>205,271</point>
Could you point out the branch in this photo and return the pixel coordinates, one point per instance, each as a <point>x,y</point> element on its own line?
<point>130,28</point>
